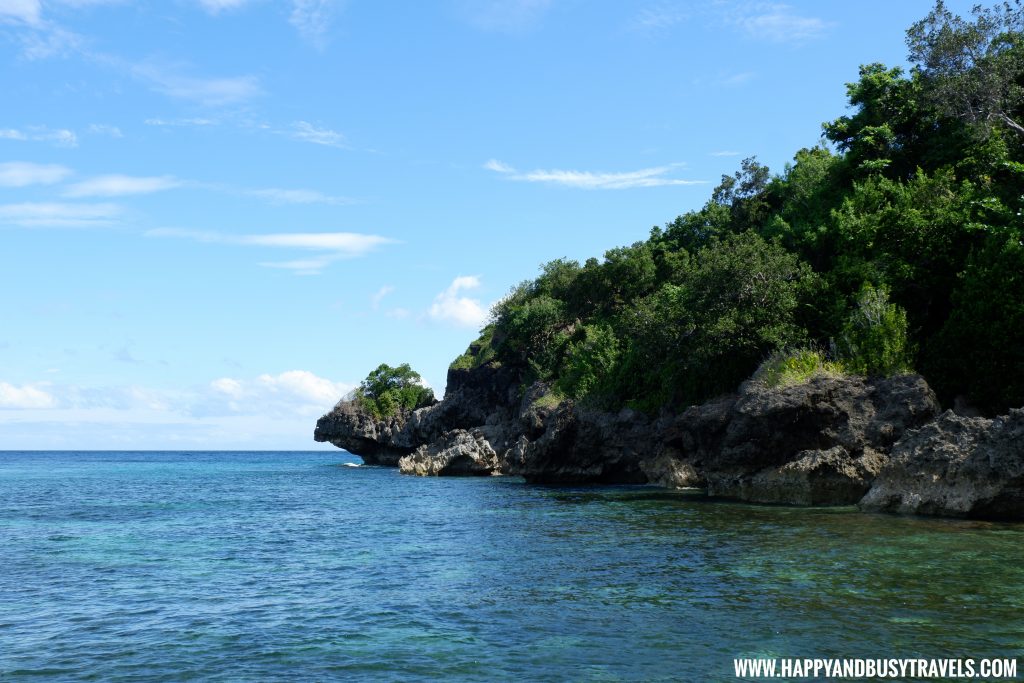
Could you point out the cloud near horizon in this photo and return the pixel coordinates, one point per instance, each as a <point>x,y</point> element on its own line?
<point>263,411</point>
<point>645,177</point>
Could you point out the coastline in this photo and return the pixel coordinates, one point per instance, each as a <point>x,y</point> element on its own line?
<point>883,445</point>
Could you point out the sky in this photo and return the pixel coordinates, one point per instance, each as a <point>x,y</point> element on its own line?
<point>217,216</point>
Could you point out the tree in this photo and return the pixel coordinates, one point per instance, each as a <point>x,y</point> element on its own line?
<point>973,69</point>
<point>388,390</point>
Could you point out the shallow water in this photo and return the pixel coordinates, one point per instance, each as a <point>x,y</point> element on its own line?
<point>137,566</point>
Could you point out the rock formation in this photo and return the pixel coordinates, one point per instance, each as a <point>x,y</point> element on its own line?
<point>957,467</point>
<point>818,443</point>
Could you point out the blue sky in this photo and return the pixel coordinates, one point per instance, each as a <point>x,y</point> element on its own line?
<point>218,215</point>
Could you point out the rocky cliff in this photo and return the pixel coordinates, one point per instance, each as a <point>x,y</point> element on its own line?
<point>829,441</point>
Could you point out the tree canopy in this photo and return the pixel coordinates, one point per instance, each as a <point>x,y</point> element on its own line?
<point>898,243</point>
<point>387,391</point>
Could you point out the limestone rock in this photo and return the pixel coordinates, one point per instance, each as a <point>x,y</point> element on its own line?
<point>957,467</point>
<point>458,453</point>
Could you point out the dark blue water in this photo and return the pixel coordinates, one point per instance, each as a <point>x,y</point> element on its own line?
<point>290,566</point>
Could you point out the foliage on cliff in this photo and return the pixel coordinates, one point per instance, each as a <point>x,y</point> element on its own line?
<point>387,391</point>
<point>898,243</point>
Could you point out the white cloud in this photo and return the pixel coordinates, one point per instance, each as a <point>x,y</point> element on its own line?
<point>646,177</point>
<point>735,78</point>
<point>298,392</point>
<point>310,266</point>
<point>377,296</point>
<point>507,16</point>
<point>333,245</point>
<point>212,92</point>
<point>663,15</point>
<point>24,397</point>
<point>312,19</point>
<point>194,121</point>
<point>228,387</point>
<point>121,185</point>
<point>307,132</point>
<point>21,11</point>
<point>348,243</point>
<point>778,23</point>
<point>103,129</point>
<point>22,174</point>
<point>54,214</point>
<point>278,195</point>
<point>61,137</point>
<point>270,410</point>
<point>498,167</point>
<point>451,306</point>
<point>218,6</point>
<point>725,153</point>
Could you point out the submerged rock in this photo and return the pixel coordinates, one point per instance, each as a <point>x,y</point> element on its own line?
<point>956,467</point>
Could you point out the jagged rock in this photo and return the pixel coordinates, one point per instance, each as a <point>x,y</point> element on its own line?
<point>475,397</point>
<point>376,441</point>
<point>672,472</point>
<point>816,443</point>
<point>457,453</point>
<point>955,466</point>
<point>584,446</point>
<point>829,477</point>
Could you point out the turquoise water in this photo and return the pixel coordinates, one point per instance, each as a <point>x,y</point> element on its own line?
<point>291,566</point>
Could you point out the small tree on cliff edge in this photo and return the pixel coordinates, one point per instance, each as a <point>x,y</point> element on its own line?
<point>388,390</point>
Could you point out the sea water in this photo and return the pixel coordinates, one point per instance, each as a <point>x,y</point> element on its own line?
<point>245,566</point>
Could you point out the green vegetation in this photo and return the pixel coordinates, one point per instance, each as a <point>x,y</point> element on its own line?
<point>783,369</point>
<point>896,244</point>
<point>387,391</point>
<point>479,352</point>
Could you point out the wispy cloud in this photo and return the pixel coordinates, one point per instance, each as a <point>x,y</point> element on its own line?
<point>662,15</point>
<point>61,137</point>
<point>103,129</point>
<point>121,185</point>
<point>23,173</point>
<point>453,306</point>
<point>55,214</point>
<point>21,11</point>
<point>646,177</point>
<point>777,23</point>
<point>312,19</point>
<point>333,246</point>
<point>218,6</point>
<point>506,16</point>
<point>277,195</point>
<point>307,132</point>
<point>379,295</point>
<point>211,92</point>
<point>193,121</point>
<point>725,153</point>
<point>735,78</point>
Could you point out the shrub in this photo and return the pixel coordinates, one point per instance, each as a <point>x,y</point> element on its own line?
<point>786,368</point>
<point>387,391</point>
<point>874,338</point>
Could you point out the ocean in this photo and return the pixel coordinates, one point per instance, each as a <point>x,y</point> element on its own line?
<point>302,566</point>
